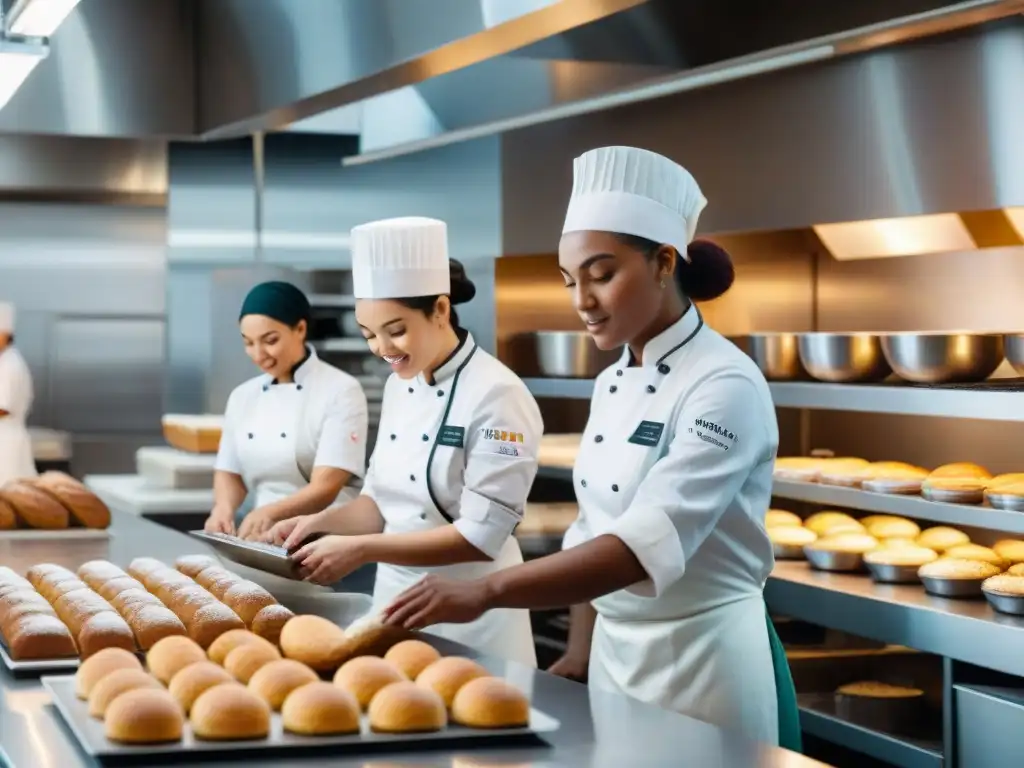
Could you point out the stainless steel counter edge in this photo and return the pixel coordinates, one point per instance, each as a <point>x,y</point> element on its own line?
<point>598,729</point>
<point>965,630</point>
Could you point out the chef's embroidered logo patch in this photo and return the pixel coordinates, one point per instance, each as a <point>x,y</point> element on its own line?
<point>452,437</point>
<point>647,433</point>
<point>504,441</point>
<point>714,434</point>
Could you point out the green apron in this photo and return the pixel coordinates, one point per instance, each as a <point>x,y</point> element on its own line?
<point>785,694</point>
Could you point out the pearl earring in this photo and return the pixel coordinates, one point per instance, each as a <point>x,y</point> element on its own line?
<point>663,283</point>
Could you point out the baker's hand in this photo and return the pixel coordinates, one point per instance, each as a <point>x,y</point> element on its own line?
<point>572,666</point>
<point>257,523</point>
<point>221,520</point>
<point>437,600</point>
<point>330,558</point>
<point>291,533</point>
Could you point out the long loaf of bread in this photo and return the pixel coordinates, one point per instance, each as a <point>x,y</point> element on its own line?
<point>28,624</point>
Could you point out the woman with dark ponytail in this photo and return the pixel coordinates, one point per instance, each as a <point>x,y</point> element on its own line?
<point>673,476</point>
<point>457,444</point>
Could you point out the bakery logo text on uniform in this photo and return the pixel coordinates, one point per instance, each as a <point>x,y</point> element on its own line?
<point>713,433</point>
<point>505,441</point>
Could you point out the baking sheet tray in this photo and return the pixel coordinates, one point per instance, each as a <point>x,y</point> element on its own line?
<point>262,557</point>
<point>90,734</point>
<point>58,534</point>
<point>36,667</point>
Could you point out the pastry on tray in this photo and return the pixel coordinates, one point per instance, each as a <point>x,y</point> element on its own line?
<point>777,518</point>
<point>955,568</point>
<point>1005,584</point>
<point>976,552</point>
<point>407,707</point>
<point>854,543</point>
<point>320,709</point>
<point>907,556</point>
<point>1010,550</point>
<point>962,470</point>
<point>822,523</point>
<point>895,528</point>
<point>942,537</point>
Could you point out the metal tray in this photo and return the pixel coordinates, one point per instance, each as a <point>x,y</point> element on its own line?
<point>90,735</point>
<point>825,560</point>
<point>56,533</point>
<point>36,667</point>
<point>1011,604</point>
<point>893,487</point>
<point>952,587</point>
<point>948,496</point>
<point>886,573</point>
<point>1006,501</point>
<point>788,551</point>
<point>262,557</point>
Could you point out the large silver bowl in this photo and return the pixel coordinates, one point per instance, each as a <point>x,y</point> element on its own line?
<point>776,354</point>
<point>563,354</point>
<point>843,358</point>
<point>941,358</point>
<point>1013,346</point>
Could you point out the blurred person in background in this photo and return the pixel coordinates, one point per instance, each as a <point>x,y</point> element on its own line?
<point>16,396</point>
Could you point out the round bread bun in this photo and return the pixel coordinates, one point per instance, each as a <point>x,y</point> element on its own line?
<point>172,654</point>
<point>1011,478</point>
<point>229,711</point>
<point>899,542</point>
<point>320,709</point>
<point>775,518</point>
<point>961,469</point>
<point>1010,550</point>
<point>116,683</point>
<point>189,683</point>
<point>893,529</point>
<point>274,681</point>
<point>226,643</point>
<point>315,641</point>
<point>363,676</point>
<point>942,537</point>
<point>846,542</point>
<point>976,552</point>
<point>246,598</point>
<point>407,707</point>
<point>490,702</point>
<point>1016,570</point>
<point>445,676</point>
<point>952,568</point>
<point>412,657</point>
<point>1004,584</point>
<point>101,664</point>
<point>822,522</point>
<point>269,622</point>
<point>916,556</point>
<point>144,716</point>
<point>243,662</point>
<point>791,535</point>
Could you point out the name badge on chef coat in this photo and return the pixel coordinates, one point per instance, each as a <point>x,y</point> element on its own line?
<point>648,433</point>
<point>452,437</point>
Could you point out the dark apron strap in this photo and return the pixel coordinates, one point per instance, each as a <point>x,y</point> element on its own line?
<point>785,694</point>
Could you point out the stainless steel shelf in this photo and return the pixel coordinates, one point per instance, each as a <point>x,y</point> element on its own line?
<point>818,718</point>
<point>575,389</point>
<point>989,404</point>
<point>975,515</point>
<point>964,630</point>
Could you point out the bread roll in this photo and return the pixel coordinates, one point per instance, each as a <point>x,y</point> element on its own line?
<point>407,707</point>
<point>779,517</point>
<point>217,580</point>
<point>320,709</point>
<point>172,654</point>
<point>8,576</point>
<point>412,657</point>
<point>76,606</point>
<point>275,680</point>
<point>1010,550</point>
<point>54,590</point>
<point>961,469</point>
<point>941,537</point>
<point>953,568</point>
<point>211,621</point>
<point>11,614</point>
<point>189,683</point>
<point>40,636</point>
<point>230,711</point>
<point>34,507</point>
<point>113,587</point>
<point>49,571</point>
<point>131,599</point>
<point>490,702</point>
<point>101,664</point>
<point>269,622</point>
<point>152,623</point>
<point>144,716</point>
<point>363,676</point>
<point>243,662</point>
<point>247,599</point>
<point>86,509</point>
<point>446,676</point>
<point>315,641</point>
<point>104,630</point>
<point>226,643</point>
<point>8,519</point>
<point>370,636</point>
<point>53,477</point>
<point>164,582</point>
<point>193,565</point>
<point>140,567</point>
<point>976,552</point>
<point>116,683</point>
<point>186,600</point>
<point>95,573</point>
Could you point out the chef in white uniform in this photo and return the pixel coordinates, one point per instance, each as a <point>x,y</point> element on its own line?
<point>15,404</point>
<point>457,445</point>
<point>674,472</point>
<point>294,437</point>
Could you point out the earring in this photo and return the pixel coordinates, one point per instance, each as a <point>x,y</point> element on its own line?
<point>663,283</point>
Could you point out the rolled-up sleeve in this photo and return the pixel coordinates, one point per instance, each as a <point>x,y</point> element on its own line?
<point>227,453</point>
<point>501,464</point>
<point>720,436</point>
<point>342,442</point>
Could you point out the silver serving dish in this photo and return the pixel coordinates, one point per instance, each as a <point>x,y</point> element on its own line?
<point>941,358</point>
<point>776,354</point>
<point>886,573</point>
<point>826,560</point>
<point>1011,604</point>
<point>562,354</point>
<point>952,587</point>
<point>1013,347</point>
<point>1007,501</point>
<point>843,357</point>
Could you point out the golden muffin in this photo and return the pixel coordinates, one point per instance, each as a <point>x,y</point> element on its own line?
<point>953,568</point>
<point>908,556</point>
<point>1016,570</point>
<point>822,522</point>
<point>1010,550</point>
<point>1005,584</point>
<point>961,469</point>
<point>942,537</point>
<point>999,481</point>
<point>777,518</point>
<point>858,543</point>
<point>791,537</point>
<point>976,552</point>
<point>898,542</point>
<point>894,529</point>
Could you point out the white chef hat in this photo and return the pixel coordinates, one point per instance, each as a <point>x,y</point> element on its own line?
<point>6,317</point>
<point>634,192</point>
<point>400,258</point>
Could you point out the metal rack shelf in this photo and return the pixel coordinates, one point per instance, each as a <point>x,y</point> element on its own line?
<point>975,515</point>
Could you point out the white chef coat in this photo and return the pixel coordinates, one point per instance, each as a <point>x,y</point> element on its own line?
<point>16,395</point>
<point>275,434</point>
<point>461,451</point>
<point>676,460</point>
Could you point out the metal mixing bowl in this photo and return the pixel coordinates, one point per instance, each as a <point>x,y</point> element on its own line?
<point>941,358</point>
<point>563,354</point>
<point>1013,346</point>
<point>776,354</point>
<point>843,357</point>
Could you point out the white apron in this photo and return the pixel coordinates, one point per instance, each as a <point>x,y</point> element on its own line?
<point>690,498</point>
<point>16,459</point>
<point>417,478</point>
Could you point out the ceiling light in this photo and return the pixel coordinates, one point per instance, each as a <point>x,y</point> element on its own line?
<point>17,60</point>
<point>907,236</point>
<point>38,18</point>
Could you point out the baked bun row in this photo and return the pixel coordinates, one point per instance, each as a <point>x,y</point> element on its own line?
<point>53,501</point>
<point>29,625</point>
<point>258,609</point>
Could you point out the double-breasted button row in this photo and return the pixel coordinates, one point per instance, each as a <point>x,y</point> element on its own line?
<point>615,486</point>
<point>251,435</point>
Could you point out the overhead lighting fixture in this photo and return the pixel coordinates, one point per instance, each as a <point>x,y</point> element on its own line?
<point>17,61</point>
<point>906,236</point>
<point>38,18</point>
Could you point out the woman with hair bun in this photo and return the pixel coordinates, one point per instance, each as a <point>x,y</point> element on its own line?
<point>673,476</point>
<point>457,445</point>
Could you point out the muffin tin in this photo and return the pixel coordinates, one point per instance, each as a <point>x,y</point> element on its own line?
<point>945,587</point>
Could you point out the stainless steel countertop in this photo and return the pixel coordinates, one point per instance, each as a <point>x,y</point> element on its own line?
<point>598,729</point>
